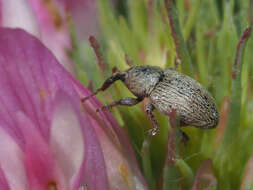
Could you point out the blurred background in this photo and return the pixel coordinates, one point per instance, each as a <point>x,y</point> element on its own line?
<point>140,30</point>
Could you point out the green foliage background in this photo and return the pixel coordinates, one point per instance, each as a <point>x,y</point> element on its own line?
<point>211,30</point>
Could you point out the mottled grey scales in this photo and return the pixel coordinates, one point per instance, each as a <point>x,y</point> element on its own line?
<point>194,104</point>
<point>166,89</point>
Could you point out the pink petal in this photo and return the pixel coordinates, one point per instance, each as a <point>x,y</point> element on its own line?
<point>18,14</point>
<point>42,169</point>
<point>121,173</point>
<point>24,85</point>
<point>107,121</point>
<point>85,17</point>
<point>53,22</point>
<point>94,166</point>
<point>3,182</point>
<point>29,79</point>
<point>12,162</point>
<point>45,19</point>
<point>66,137</point>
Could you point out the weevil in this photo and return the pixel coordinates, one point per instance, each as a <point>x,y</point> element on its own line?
<point>166,90</point>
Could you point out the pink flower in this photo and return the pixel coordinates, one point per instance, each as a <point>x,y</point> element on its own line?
<point>85,16</point>
<point>49,140</point>
<point>54,28</point>
<point>47,20</point>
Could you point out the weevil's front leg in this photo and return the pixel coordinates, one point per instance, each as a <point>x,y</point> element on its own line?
<point>116,76</point>
<point>149,110</point>
<point>123,102</point>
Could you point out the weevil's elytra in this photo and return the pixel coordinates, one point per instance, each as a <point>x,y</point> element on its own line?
<point>195,106</point>
<point>166,89</point>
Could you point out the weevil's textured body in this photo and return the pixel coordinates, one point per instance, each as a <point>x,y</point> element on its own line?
<point>167,89</point>
<point>194,105</point>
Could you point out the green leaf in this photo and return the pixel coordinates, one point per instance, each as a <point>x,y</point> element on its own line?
<point>230,143</point>
<point>181,47</point>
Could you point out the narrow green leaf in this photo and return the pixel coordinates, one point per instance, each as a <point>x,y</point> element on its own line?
<point>186,171</point>
<point>234,114</point>
<point>146,162</point>
<point>181,48</point>
<point>229,144</point>
<point>171,172</point>
<point>191,19</point>
<point>227,39</point>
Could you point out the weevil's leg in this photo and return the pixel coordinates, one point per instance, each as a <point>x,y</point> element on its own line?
<point>149,110</point>
<point>123,102</point>
<point>185,137</point>
<point>116,76</point>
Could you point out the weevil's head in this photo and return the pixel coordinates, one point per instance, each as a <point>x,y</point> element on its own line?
<point>141,80</point>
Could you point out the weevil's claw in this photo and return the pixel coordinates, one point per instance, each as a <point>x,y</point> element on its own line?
<point>185,137</point>
<point>153,131</point>
<point>91,95</point>
<point>100,109</point>
<point>87,97</point>
<point>103,108</point>
<point>84,99</point>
